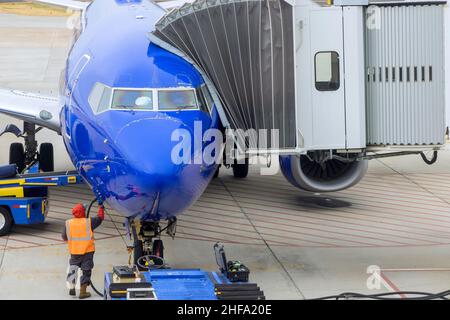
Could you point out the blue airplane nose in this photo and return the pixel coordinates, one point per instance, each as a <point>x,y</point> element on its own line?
<point>150,183</point>
<point>147,146</point>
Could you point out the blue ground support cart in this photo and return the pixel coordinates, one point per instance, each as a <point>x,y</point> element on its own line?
<point>165,284</point>
<point>178,284</point>
<point>128,283</point>
<point>24,198</point>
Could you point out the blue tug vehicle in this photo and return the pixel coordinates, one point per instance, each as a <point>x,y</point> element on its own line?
<point>24,197</point>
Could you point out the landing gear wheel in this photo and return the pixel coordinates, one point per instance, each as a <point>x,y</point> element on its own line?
<point>138,251</point>
<point>17,156</point>
<point>240,170</point>
<point>46,158</point>
<point>5,221</point>
<point>158,248</point>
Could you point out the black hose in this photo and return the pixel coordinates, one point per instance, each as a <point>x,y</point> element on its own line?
<point>384,296</point>
<point>96,291</point>
<point>88,212</point>
<point>87,216</point>
<point>429,162</point>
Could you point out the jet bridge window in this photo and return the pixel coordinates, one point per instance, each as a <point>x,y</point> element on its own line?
<point>177,100</point>
<point>134,99</point>
<point>327,71</point>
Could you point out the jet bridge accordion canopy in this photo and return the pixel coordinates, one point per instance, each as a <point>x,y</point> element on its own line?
<point>246,48</point>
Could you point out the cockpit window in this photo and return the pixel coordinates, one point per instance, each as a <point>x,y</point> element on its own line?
<point>132,99</point>
<point>201,101</point>
<point>100,98</point>
<point>177,100</point>
<point>208,98</point>
<point>103,98</point>
<point>204,98</point>
<point>105,101</point>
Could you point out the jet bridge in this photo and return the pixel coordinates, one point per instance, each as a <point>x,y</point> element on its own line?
<point>247,50</point>
<point>405,75</point>
<point>346,76</point>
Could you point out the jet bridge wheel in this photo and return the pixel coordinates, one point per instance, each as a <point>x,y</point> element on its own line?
<point>17,156</point>
<point>240,170</point>
<point>6,221</point>
<point>46,158</point>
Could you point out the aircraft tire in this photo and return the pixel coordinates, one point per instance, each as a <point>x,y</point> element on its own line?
<point>17,156</point>
<point>138,251</point>
<point>6,221</point>
<point>158,248</point>
<point>240,170</point>
<point>46,157</point>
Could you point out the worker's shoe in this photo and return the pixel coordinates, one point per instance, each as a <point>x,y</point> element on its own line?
<point>83,292</point>
<point>72,292</point>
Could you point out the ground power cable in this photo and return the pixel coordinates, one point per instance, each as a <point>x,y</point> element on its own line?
<point>385,296</point>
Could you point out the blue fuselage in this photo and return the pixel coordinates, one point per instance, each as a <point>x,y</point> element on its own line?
<point>125,155</point>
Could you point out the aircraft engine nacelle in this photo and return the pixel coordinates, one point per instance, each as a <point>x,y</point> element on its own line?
<point>316,173</point>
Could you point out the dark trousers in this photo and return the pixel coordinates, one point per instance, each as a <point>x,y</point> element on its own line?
<point>83,261</point>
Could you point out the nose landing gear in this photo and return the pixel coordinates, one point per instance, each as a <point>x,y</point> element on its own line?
<point>148,248</point>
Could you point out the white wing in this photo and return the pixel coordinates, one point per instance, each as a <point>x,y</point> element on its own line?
<point>71,4</point>
<point>40,110</point>
<point>76,5</point>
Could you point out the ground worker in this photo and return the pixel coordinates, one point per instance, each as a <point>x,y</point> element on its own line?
<point>79,235</point>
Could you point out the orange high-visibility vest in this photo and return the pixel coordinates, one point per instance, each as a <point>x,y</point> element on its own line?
<point>80,236</point>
